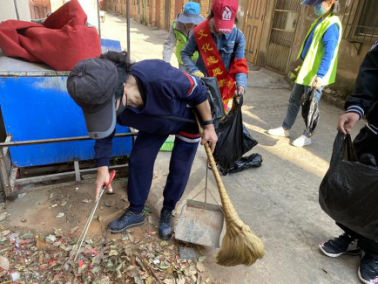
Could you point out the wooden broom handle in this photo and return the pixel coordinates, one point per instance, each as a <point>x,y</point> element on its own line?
<point>228,208</point>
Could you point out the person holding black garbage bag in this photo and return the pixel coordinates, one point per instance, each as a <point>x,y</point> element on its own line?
<point>363,101</point>
<point>316,66</point>
<point>143,95</point>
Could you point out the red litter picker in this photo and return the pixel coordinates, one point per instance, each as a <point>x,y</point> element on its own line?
<point>76,249</point>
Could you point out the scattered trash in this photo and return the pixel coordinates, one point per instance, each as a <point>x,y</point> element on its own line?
<point>148,209</point>
<point>252,161</point>
<point>87,201</point>
<point>15,276</point>
<point>23,220</point>
<point>3,216</point>
<point>202,258</point>
<point>21,195</point>
<point>28,257</point>
<point>109,203</point>
<point>60,215</point>
<point>200,267</point>
<point>4,263</point>
<point>187,252</point>
<point>51,239</point>
<point>151,220</point>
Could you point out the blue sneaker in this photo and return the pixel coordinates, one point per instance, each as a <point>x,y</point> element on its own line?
<point>344,244</point>
<point>128,220</point>
<point>166,224</point>
<point>368,271</point>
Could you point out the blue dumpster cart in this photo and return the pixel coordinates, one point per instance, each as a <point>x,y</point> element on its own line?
<point>36,107</point>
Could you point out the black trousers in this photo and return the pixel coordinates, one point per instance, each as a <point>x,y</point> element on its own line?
<point>365,142</point>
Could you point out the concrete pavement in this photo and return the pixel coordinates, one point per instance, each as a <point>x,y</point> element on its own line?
<point>279,201</point>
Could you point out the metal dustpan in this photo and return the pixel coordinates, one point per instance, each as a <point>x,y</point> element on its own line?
<point>200,222</point>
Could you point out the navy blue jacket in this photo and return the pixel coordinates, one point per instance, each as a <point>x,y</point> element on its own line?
<point>364,99</point>
<point>169,92</point>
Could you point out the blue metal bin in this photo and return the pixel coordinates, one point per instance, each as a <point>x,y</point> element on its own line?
<point>35,105</point>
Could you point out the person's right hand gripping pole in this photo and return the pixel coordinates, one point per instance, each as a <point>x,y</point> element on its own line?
<point>103,178</point>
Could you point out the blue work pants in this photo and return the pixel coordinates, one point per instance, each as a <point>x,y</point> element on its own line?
<point>141,165</point>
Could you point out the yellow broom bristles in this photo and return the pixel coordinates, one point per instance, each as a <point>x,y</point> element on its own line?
<point>240,247</point>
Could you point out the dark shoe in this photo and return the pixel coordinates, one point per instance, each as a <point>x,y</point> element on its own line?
<point>166,224</point>
<point>128,220</point>
<point>368,271</point>
<point>344,244</point>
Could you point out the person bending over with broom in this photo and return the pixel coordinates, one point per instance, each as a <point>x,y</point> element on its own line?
<point>153,97</point>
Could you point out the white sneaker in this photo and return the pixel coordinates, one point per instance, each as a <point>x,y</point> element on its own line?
<point>302,141</point>
<point>279,131</point>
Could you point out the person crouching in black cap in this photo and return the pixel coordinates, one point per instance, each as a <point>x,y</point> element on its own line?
<point>153,97</point>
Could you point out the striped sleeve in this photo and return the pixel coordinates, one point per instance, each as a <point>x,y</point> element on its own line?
<point>356,109</point>
<point>197,91</point>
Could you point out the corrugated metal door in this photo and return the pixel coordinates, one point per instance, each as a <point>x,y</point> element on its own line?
<point>253,27</point>
<point>282,34</point>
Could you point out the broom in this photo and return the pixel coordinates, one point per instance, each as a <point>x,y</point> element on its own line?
<point>239,245</point>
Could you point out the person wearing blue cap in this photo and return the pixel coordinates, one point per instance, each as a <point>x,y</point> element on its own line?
<point>318,57</point>
<point>179,33</point>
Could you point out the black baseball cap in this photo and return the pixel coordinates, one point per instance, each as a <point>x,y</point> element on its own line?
<point>92,84</point>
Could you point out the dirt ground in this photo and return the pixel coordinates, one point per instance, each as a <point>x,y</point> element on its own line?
<point>279,201</point>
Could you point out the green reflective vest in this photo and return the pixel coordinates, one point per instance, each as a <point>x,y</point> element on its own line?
<point>315,54</point>
<point>181,41</point>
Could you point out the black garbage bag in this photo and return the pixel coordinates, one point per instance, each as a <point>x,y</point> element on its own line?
<point>234,139</point>
<point>251,161</point>
<point>349,190</point>
<point>310,110</point>
<point>215,98</point>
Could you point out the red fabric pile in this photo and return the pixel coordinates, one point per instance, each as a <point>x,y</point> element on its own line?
<point>61,42</point>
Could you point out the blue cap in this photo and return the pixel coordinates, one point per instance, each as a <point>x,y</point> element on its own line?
<point>191,14</point>
<point>312,2</point>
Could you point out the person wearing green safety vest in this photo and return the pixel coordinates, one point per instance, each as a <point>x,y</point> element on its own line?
<point>318,56</point>
<point>179,33</point>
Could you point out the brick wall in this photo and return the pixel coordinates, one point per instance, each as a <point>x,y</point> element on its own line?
<point>118,7</point>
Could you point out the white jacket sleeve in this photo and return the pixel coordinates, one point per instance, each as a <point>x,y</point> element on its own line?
<point>169,45</point>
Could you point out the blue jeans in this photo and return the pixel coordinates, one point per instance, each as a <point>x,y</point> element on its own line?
<point>295,104</point>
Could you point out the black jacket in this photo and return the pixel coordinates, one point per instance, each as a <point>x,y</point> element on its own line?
<point>364,99</point>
